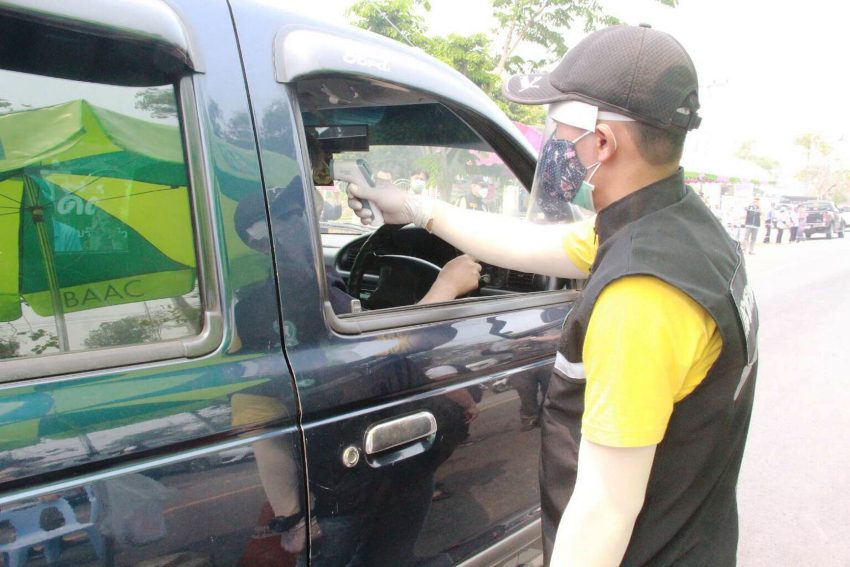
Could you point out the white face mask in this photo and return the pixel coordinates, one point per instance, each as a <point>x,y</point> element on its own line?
<point>584,195</point>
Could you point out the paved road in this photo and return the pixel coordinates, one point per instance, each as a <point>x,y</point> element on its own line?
<point>793,492</point>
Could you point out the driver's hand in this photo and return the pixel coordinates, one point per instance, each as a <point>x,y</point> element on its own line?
<point>397,206</point>
<point>459,276</point>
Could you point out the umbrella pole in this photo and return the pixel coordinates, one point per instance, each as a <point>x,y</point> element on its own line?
<point>46,247</point>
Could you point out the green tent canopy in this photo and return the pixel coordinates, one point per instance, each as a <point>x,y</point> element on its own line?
<point>94,211</point>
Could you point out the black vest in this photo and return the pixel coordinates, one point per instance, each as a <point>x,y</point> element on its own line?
<point>689,516</point>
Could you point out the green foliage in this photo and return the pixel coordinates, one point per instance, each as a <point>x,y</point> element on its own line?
<point>539,22</point>
<point>9,346</point>
<point>820,180</point>
<point>841,188</point>
<point>42,340</point>
<point>471,55</point>
<point>137,329</point>
<point>128,331</point>
<point>8,106</point>
<point>542,23</point>
<point>532,114</point>
<point>400,20</point>
<point>133,330</point>
<point>746,152</point>
<point>158,101</point>
<point>813,144</point>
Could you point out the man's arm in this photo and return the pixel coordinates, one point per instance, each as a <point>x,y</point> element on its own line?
<point>609,493</point>
<point>507,242</point>
<point>491,238</point>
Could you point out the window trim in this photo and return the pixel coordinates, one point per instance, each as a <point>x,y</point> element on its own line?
<point>208,274</point>
<point>411,315</point>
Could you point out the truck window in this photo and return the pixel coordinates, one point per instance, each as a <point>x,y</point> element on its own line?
<point>415,143</point>
<point>96,235</point>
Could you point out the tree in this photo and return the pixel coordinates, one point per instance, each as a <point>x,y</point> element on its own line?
<point>127,331</point>
<point>813,144</point>
<point>541,22</point>
<point>469,54</point>
<point>9,346</point>
<point>400,20</point>
<point>39,341</point>
<point>746,152</point>
<point>157,101</point>
<point>7,106</point>
<point>544,23</point>
<point>472,55</point>
<point>817,175</point>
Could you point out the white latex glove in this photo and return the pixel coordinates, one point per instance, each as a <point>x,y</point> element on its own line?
<point>397,206</point>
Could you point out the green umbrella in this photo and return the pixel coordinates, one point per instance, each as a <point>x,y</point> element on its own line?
<point>94,212</point>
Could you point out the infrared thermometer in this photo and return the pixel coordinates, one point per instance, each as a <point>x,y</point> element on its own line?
<point>357,171</point>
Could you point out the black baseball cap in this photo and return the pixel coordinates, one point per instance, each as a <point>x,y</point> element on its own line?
<point>636,71</point>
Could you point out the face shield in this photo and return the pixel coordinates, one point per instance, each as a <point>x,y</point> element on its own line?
<point>561,191</point>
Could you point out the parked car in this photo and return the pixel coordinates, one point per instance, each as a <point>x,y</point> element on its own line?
<point>173,291</point>
<point>824,217</point>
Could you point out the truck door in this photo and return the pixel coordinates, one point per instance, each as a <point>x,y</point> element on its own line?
<point>147,412</point>
<point>419,420</point>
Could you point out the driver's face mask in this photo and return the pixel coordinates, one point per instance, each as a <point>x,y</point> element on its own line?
<point>561,180</point>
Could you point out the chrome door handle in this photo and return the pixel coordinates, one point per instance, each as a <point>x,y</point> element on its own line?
<point>400,431</point>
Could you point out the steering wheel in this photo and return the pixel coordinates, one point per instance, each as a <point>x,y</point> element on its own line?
<point>402,280</point>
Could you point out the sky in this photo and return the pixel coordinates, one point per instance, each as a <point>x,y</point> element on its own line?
<point>768,71</point>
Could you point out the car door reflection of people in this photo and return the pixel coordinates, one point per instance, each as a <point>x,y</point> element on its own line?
<point>342,536</point>
<point>373,515</point>
<point>531,385</point>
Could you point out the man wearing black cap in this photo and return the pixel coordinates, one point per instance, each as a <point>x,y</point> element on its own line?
<point>646,416</point>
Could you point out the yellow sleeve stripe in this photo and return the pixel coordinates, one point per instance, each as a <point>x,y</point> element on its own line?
<point>648,345</point>
<point>580,244</point>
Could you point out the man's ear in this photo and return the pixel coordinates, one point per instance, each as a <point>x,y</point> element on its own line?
<point>606,142</point>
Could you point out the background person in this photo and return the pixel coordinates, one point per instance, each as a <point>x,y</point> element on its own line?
<point>782,221</point>
<point>794,223</point>
<point>802,217</point>
<point>419,182</point>
<point>647,412</point>
<point>752,222</point>
<point>475,194</point>
<point>768,223</point>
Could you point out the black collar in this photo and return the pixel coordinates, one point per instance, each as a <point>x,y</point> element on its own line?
<point>633,206</point>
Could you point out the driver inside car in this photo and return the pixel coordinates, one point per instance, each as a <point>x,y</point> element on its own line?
<point>458,277</point>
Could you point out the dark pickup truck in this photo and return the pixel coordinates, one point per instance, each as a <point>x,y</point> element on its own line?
<point>205,359</point>
<point>823,217</point>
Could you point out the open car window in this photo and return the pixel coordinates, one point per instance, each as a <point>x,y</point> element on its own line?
<point>410,141</point>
